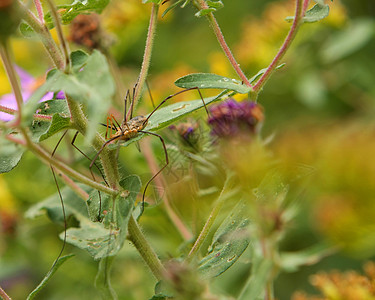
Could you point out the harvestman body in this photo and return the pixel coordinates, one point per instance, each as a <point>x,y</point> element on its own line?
<point>129,129</point>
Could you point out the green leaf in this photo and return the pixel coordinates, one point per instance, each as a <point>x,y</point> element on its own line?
<point>56,265</point>
<point>349,40</point>
<point>291,262</point>
<point>91,85</point>
<point>213,5</point>
<point>316,13</point>
<point>257,281</point>
<point>262,71</point>
<point>73,204</point>
<point>272,189</point>
<point>107,238</point>
<point>172,6</point>
<point>229,242</point>
<point>152,1</point>
<point>59,111</point>
<point>211,81</point>
<point>10,154</point>
<point>103,279</point>
<point>78,59</point>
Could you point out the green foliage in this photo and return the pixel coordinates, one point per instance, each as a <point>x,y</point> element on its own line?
<point>10,154</point>
<point>211,81</point>
<point>213,6</point>
<point>229,242</point>
<point>56,265</point>
<point>317,13</point>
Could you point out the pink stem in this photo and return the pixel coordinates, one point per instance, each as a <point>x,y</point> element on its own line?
<point>12,111</point>
<point>39,9</point>
<point>288,40</point>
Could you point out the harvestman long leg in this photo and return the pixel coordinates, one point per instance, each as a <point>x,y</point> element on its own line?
<point>61,201</point>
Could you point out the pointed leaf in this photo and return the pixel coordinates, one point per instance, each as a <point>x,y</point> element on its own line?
<point>212,81</point>
<point>57,264</point>
<point>229,242</point>
<point>103,279</point>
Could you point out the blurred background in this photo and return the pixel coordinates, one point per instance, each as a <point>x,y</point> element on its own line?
<point>318,110</point>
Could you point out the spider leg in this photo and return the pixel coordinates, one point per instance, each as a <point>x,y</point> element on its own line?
<point>158,172</point>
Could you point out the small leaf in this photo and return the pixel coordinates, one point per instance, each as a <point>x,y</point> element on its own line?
<point>262,71</point>
<point>213,5</point>
<point>10,154</point>
<point>211,81</point>
<point>152,1</point>
<point>291,262</point>
<point>57,264</point>
<point>58,123</point>
<point>78,59</point>
<point>349,40</point>
<point>172,6</point>
<point>316,13</point>
<point>229,242</point>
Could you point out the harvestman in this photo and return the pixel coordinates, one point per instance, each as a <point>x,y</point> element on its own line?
<point>129,129</point>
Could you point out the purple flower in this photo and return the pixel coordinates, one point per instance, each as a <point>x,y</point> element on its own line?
<point>231,118</point>
<point>28,85</point>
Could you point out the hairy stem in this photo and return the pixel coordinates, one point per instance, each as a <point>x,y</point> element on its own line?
<point>39,9</point>
<point>4,295</point>
<point>45,36</point>
<point>64,44</point>
<point>12,76</point>
<point>297,22</point>
<point>147,54</point>
<point>139,241</point>
<point>201,4</point>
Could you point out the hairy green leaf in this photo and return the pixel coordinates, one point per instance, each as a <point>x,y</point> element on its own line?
<point>106,238</point>
<point>316,13</point>
<point>211,81</point>
<point>229,242</point>
<point>10,154</point>
<point>56,265</point>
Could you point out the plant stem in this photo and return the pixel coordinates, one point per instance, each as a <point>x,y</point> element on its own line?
<point>210,221</point>
<point>12,76</point>
<point>37,117</point>
<point>147,54</point>
<point>201,4</point>
<point>4,295</point>
<point>39,9</point>
<point>64,44</point>
<point>139,241</point>
<point>159,180</point>
<point>45,36</point>
<point>297,22</point>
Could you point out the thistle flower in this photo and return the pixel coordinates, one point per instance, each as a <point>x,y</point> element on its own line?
<point>232,119</point>
<point>28,85</point>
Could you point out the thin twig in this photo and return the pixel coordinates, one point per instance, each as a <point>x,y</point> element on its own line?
<point>288,40</point>
<point>12,76</point>
<point>201,4</point>
<point>4,295</point>
<point>37,117</point>
<point>60,34</point>
<point>39,9</point>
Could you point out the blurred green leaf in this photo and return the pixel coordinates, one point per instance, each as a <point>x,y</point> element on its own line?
<point>56,265</point>
<point>91,85</point>
<point>229,242</point>
<point>152,1</point>
<point>291,262</point>
<point>272,189</point>
<point>255,285</point>
<point>348,41</point>
<point>103,279</point>
<point>262,71</point>
<point>10,154</point>
<point>211,81</point>
<point>316,13</point>
<point>78,59</point>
